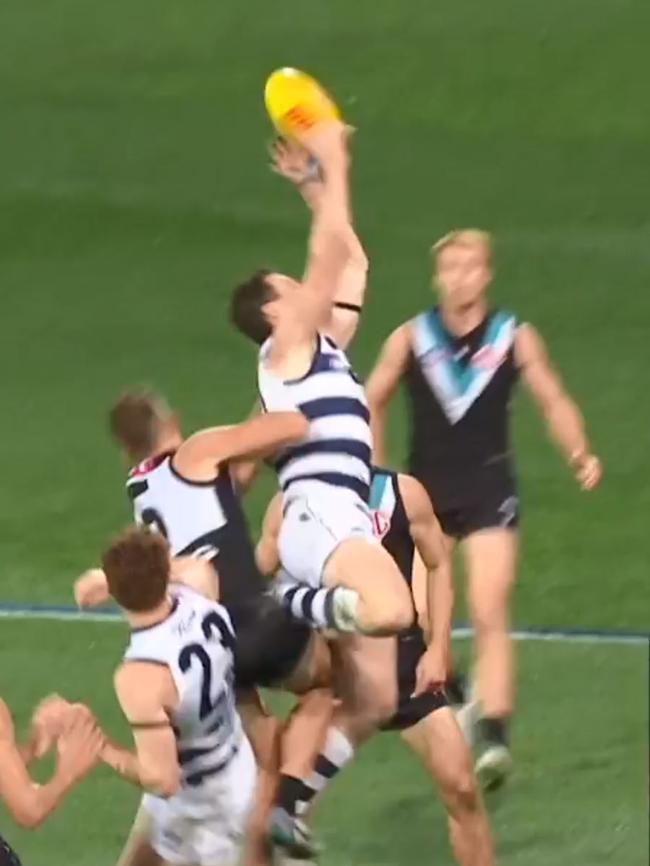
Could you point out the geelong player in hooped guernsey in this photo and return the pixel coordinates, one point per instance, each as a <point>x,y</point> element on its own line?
<point>303,329</point>
<point>459,362</point>
<point>175,687</point>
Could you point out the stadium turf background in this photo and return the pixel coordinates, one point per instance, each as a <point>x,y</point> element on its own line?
<point>134,192</point>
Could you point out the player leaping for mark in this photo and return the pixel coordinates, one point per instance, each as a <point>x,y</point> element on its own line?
<point>326,540</point>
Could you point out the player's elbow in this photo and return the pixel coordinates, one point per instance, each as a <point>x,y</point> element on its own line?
<point>27,815</point>
<point>162,783</point>
<point>357,258</point>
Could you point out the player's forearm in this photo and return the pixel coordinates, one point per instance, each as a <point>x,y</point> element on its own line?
<point>566,428</point>
<point>312,193</point>
<point>27,751</point>
<point>122,761</point>
<point>440,604</point>
<point>161,782</point>
<point>334,205</point>
<point>31,806</point>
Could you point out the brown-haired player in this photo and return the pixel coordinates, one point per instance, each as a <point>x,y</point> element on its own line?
<point>459,362</point>
<point>186,489</point>
<point>175,687</point>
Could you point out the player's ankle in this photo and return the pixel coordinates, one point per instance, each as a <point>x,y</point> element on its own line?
<point>495,730</point>
<point>291,791</point>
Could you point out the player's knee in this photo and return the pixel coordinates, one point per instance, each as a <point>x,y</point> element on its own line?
<point>389,612</point>
<point>489,621</point>
<point>462,791</point>
<point>387,618</point>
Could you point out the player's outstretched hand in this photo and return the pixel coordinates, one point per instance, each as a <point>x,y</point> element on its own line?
<point>91,590</point>
<point>588,471</point>
<point>431,671</point>
<point>80,743</point>
<point>293,162</point>
<point>47,723</point>
<point>327,141</point>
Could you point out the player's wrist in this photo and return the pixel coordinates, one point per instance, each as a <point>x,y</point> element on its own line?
<point>578,456</point>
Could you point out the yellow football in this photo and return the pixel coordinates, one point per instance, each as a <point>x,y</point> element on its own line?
<point>296,102</point>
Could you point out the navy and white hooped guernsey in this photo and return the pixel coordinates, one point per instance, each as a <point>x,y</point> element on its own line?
<point>337,448</point>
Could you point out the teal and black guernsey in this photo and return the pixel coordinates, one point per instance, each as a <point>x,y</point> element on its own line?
<point>391,525</point>
<point>459,391</point>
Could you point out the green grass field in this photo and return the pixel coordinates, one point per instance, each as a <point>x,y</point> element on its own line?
<point>134,192</point>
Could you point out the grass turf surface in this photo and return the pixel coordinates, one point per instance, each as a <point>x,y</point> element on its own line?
<point>133,192</point>
<point>577,795</point>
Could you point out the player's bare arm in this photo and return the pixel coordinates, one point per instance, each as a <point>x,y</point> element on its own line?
<point>258,437</point>
<point>429,542</point>
<point>245,471</point>
<point>91,589</point>
<point>296,164</point>
<point>145,691</point>
<point>328,251</point>
<point>30,804</point>
<point>266,552</point>
<point>562,415</point>
<point>382,384</point>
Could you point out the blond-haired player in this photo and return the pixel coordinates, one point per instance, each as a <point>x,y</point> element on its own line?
<point>459,362</point>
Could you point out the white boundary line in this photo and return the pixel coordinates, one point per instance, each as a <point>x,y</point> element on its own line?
<point>70,614</point>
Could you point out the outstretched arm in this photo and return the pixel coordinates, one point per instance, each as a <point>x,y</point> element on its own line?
<point>29,803</point>
<point>328,250</point>
<point>295,163</point>
<point>429,542</point>
<point>563,418</point>
<point>382,384</point>
<point>257,437</point>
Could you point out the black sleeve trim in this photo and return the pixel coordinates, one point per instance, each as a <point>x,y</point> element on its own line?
<point>353,308</point>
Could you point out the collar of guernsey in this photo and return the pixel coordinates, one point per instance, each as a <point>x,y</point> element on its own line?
<point>455,385</point>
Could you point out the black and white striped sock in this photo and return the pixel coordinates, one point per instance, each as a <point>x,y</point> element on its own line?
<point>338,752</point>
<point>322,608</point>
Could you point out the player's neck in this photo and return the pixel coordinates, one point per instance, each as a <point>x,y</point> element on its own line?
<point>460,321</point>
<point>167,443</point>
<point>149,618</point>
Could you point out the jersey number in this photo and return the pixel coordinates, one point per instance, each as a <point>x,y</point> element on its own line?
<point>153,520</point>
<point>211,623</point>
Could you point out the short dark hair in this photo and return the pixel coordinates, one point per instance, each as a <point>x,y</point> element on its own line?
<point>135,420</point>
<point>247,303</point>
<point>137,569</point>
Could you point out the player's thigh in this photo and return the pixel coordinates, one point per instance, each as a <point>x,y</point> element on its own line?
<point>439,744</point>
<point>314,668</point>
<point>365,566</point>
<point>490,564</point>
<point>364,679</point>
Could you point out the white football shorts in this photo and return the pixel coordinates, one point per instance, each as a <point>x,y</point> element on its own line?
<point>315,524</point>
<point>205,826</point>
